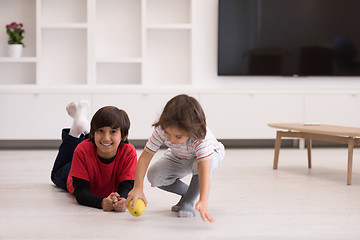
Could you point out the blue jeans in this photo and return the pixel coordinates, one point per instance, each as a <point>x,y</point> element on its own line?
<point>62,164</point>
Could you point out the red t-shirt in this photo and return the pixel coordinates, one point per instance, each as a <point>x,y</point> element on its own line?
<point>104,178</point>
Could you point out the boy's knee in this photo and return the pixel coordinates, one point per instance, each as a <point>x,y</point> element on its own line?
<point>58,180</point>
<point>52,176</point>
<point>154,177</point>
<point>151,176</point>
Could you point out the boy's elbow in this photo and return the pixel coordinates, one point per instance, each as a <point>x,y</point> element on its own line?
<point>80,200</point>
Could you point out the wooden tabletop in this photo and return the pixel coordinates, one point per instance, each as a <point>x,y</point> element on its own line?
<point>319,129</point>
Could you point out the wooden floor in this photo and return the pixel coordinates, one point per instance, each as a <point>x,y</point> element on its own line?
<point>249,200</point>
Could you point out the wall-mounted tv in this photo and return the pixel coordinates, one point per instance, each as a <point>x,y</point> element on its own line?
<point>289,38</point>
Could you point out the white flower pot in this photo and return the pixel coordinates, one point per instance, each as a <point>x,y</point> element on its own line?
<point>15,50</point>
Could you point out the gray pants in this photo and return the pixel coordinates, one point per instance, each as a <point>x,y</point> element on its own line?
<point>167,169</point>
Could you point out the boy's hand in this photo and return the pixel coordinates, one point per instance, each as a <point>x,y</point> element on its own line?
<point>107,203</point>
<point>119,204</point>
<point>134,195</point>
<point>204,212</point>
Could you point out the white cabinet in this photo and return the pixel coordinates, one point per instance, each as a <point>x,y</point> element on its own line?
<point>107,51</point>
<point>99,42</point>
<point>333,108</point>
<point>28,116</point>
<point>41,116</point>
<point>245,116</point>
<point>230,115</point>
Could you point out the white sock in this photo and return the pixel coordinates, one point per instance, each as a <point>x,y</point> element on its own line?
<point>79,111</point>
<point>71,109</point>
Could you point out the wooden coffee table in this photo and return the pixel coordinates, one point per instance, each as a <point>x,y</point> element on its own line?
<point>327,133</point>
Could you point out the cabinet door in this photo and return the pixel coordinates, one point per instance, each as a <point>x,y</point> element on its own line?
<point>245,116</point>
<point>335,109</point>
<point>28,116</point>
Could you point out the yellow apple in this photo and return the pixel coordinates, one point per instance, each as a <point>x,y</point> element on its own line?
<point>139,208</point>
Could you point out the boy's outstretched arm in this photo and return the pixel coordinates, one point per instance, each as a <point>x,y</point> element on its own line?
<point>140,171</point>
<point>204,185</point>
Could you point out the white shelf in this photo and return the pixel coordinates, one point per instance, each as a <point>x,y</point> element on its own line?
<point>118,73</point>
<point>64,57</point>
<point>65,25</point>
<point>118,29</point>
<point>101,42</point>
<point>18,60</point>
<point>169,12</point>
<point>64,11</point>
<point>169,26</point>
<point>119,60</point>
<point>17,73</point>
<point>21,11</point>
<point>168,63</point>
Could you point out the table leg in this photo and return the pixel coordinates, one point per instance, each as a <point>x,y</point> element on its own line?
<point>309,146</point>
<point>350,160</point>
<point>277,149</point>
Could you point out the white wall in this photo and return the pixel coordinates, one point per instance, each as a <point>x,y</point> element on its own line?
<point>236,107</point>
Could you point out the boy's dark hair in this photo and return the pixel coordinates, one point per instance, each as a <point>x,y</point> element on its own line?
<point>110,116</point>
<point>185,113</point>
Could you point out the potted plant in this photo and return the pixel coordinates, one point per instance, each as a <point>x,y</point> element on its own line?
<point>15,32</point>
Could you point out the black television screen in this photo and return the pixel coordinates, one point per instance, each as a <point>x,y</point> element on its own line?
<point>289,38</point>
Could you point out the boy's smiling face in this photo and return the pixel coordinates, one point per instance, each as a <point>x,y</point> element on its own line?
<point>107,141</point>
<point>175,135</point>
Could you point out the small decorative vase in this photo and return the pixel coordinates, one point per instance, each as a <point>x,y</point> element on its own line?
<point>15,50</point>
